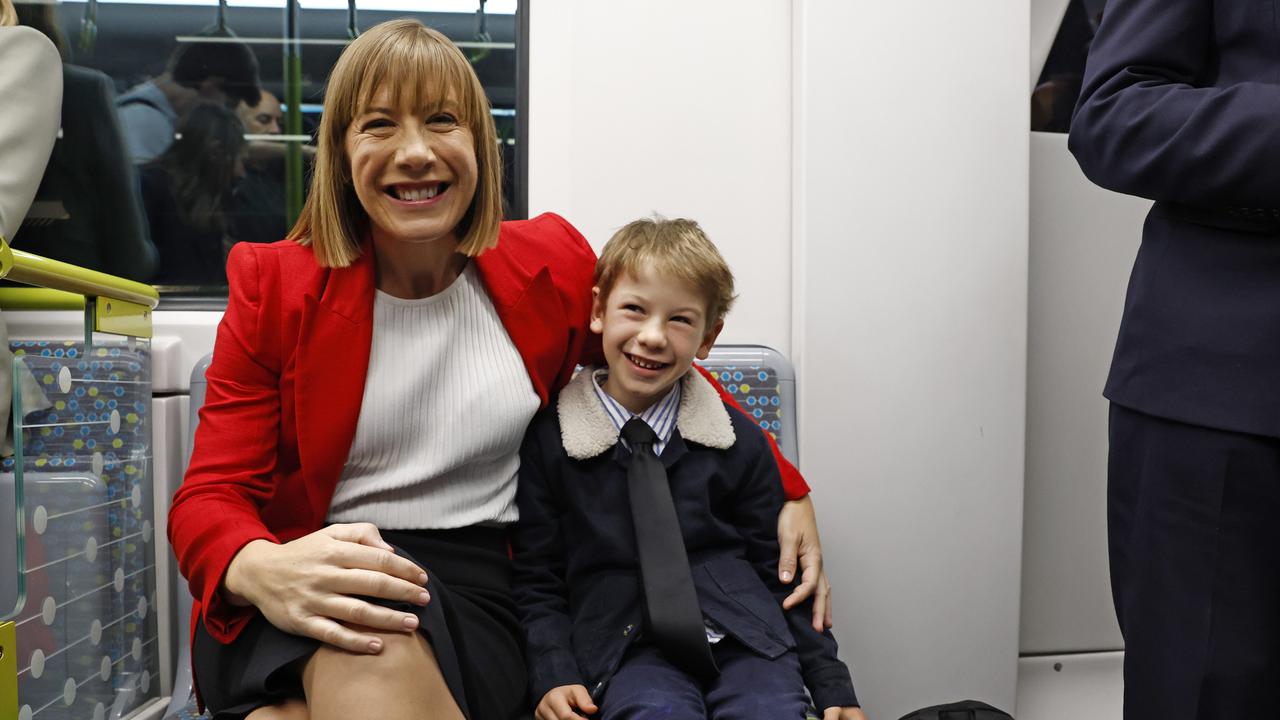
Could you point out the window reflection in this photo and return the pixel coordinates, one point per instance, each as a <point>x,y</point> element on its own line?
<point>187,195</point>
<point>87,210</point>
<point>173,145</point>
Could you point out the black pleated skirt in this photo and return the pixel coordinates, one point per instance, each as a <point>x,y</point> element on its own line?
<point>471,624</point>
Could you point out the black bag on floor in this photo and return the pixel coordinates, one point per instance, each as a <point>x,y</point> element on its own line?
<point>967,710</point>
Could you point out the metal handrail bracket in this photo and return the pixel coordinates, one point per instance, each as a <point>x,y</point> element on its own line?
<point>112,304</point>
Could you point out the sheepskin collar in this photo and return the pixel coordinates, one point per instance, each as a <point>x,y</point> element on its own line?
<point>587,431</point>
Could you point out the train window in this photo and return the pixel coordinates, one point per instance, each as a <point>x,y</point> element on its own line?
<point>1055,94</point>
<point>169,154</point>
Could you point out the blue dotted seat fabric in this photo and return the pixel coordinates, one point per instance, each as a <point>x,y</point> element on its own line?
<point>86,634</point>
<point>756,390</point>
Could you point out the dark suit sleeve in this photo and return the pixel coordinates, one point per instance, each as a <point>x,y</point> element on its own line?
<point>756,503</point>
<point>539,575</point>
<point>129,252</point>
<point>1150,123</point>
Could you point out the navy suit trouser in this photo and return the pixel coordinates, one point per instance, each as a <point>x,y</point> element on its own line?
<point>749,687</point>
<point>1194,532</point>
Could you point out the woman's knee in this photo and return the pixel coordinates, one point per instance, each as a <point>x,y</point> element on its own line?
<point>403,655</point>
<point>402,681</point>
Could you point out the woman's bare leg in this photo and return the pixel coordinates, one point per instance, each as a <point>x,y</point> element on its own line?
<point>287,710</point>
<point>403,682</point>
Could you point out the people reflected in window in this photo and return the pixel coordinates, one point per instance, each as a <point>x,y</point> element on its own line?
<point>87,211</point>
<point>217,69</point>
<point>265,118</point>
<point>188,191</point>
<point>260,194</point>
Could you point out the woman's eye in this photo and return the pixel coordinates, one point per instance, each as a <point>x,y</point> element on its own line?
<point>442,119</point>
<point>376,123</point>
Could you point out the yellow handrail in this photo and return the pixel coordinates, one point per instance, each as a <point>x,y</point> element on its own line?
<point>38,298</point>
<point>112,304</point>
<point>29,269</point>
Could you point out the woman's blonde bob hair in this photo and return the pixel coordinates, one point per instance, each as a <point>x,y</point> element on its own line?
<point>8,13</point>
<point>423,71</point>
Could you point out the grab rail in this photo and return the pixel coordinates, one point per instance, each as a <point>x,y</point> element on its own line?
<point>112,304</point>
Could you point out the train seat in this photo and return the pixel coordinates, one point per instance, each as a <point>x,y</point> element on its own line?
<point>761,380</point>
<point>86,633</point>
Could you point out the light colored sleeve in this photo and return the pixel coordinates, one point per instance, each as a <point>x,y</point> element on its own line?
<point>30,115</point>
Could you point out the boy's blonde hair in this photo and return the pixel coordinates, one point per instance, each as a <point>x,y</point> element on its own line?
<point>673,248</point>
<point>422,69</point>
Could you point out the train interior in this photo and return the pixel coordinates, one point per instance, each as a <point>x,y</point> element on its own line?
<point>929,292</point>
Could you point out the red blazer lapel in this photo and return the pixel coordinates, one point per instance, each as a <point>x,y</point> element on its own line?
<point>334,340</point>
<point>531,310</point>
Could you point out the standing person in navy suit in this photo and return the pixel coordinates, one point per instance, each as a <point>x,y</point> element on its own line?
<point>661,292</point>
<point>1181,104</point>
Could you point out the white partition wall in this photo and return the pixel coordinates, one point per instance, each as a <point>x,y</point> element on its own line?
<point>864,168</point>
<point>677,107</point>
<point>912,179</point>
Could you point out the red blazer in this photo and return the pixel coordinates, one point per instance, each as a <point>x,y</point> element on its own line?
<point>288,374</point>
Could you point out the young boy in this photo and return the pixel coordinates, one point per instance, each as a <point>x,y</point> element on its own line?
<point>621,617</point>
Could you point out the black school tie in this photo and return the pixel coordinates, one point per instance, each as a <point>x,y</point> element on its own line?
<point>671,604</point>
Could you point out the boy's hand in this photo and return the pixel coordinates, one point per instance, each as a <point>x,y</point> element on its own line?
<point>560,703</point>
<point>843,713</point>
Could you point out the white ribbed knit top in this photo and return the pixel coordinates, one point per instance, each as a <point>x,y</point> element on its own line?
<point>446,403</point>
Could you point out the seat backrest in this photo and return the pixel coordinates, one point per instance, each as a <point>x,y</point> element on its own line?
<point>763,382</point>
<point>182,705</point>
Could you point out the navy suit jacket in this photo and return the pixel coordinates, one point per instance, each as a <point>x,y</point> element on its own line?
<point>1181,104</point>
<point>577,578</point>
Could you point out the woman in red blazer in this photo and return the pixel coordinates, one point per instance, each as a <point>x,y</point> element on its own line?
<point>295,617</point>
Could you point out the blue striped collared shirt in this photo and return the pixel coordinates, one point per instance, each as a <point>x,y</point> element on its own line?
<point>661,415</point>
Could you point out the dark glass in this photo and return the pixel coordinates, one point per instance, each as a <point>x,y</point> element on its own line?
<point>1054,97</point>
<point>166,212</point>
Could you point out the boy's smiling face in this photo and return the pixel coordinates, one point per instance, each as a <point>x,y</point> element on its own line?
<point>653,328</point>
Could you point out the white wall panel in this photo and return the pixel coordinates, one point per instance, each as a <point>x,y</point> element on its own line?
<point>911,232</point>
<point>681,108</point>
<point>1083,241</point>
<point>1071,687</point>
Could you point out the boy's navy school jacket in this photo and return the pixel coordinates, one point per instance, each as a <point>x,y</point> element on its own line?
<point>577,573</point>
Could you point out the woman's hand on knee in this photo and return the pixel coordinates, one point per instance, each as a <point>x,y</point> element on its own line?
<point>309,586</point>
<point>562,703</point>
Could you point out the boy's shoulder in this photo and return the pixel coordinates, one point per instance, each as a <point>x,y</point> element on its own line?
<point>544,428</point>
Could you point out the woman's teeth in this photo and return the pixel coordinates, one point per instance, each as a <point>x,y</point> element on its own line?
<point>417,194</point>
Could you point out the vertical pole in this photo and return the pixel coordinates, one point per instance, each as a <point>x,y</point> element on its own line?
<point>521,175</point>
<point>293,112</point>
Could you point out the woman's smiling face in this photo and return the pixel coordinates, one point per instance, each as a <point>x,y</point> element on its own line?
<point>414,170</point>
